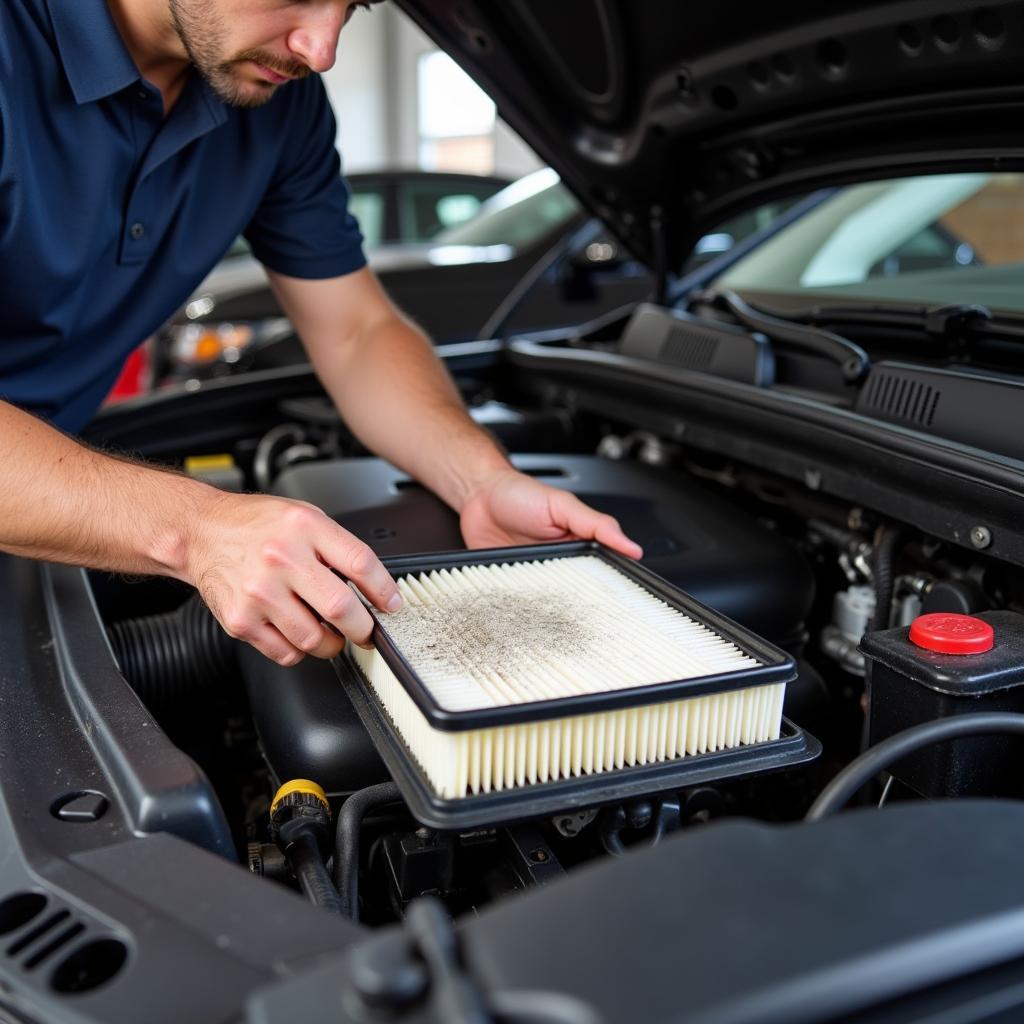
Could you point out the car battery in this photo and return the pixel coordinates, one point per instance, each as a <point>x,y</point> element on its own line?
<point>947,664</point>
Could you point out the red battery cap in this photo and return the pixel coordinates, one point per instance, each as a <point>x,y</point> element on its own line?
<point>949,633</point>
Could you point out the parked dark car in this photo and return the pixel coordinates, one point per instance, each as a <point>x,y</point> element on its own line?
<point>451,286</point>
<point>410,205</point>
<point>817,434</point>
<point>467,283</point>
<point>414,205</point>
<point>393,207</point>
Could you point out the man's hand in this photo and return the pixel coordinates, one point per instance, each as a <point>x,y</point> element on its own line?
<point>263,565</point>
<point>512,508</point>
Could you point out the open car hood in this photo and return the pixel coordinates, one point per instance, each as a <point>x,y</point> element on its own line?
<point>667,117</point>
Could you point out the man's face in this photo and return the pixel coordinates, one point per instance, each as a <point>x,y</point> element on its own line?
<point>245,49</point>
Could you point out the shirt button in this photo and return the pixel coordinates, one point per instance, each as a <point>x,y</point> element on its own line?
<point>142,94</point>
<point>137,230</point>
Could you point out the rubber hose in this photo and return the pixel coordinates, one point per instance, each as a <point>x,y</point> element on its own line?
<point>315,881</point>
<point>864,768</point>
<point>882,567</point>
<point>346,841</point>
<point>169,657</point>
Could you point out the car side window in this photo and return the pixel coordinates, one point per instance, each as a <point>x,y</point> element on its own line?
<point>428,207</point>
<point>719,241</point>
<point>367,206</point>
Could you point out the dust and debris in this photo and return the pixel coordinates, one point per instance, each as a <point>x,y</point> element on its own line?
<point>507,630</point>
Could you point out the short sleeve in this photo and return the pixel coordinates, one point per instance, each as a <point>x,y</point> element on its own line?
<point>303,227</point>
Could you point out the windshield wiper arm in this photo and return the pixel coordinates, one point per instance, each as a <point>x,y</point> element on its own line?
<point>937,321</point>
<point>852,360</point>
<point>943,322</point>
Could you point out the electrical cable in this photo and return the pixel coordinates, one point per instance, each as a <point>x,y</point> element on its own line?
<point>313,878</point>
<point>879,758</point>
<point>882,565</point>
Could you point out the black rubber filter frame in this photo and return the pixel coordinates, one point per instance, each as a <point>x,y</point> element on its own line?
<point>521,802</point>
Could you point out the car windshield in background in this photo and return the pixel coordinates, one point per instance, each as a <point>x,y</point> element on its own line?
<point>936,239</point>
<point>518,215</point>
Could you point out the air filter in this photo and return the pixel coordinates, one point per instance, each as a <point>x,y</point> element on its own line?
<point>523,681</point>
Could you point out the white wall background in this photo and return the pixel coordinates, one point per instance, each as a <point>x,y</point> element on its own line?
<point>374,94</point>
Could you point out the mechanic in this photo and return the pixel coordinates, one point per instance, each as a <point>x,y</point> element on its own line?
<point>138,138</point>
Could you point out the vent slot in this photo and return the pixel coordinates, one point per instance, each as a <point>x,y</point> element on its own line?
<point>59,940</point>
<point>901,398</point>
<point>692,350</point>
<point>40,929</point>
<point>43,938</point>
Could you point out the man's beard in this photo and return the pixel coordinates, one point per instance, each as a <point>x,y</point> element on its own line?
<point>202,33</point>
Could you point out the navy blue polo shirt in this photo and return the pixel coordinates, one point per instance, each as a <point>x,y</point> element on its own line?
<point>110,214</point>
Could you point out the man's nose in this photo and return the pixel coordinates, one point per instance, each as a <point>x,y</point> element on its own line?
<point>315,40</point>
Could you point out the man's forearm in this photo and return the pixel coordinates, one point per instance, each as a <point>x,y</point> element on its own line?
<point>62,501</point>
<point>389,384</point>
<point>264,565</point>
<point>399,400</point>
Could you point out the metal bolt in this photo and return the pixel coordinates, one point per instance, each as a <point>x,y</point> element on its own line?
<point>539,855</point>
<point>612,447</point>
<point>981,537</point>
<point>685,85</point>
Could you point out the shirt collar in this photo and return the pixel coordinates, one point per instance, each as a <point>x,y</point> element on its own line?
<point>95,58</point>
<point>98,63</point>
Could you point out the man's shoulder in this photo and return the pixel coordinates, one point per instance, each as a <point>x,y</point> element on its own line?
<point>25,21</point>
<point>26,31</point>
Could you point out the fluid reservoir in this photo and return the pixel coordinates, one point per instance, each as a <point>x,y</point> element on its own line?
<point>948,664</point>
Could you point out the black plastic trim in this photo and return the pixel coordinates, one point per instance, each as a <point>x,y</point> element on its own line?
<point>942,487</point>
<point>161,788</point>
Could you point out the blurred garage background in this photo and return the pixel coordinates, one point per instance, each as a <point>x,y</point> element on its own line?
<point>400,102</point>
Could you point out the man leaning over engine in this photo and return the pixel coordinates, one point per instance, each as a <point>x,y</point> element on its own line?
<point>137,139</point>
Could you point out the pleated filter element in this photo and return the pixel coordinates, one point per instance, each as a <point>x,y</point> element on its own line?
<point>504,675</point>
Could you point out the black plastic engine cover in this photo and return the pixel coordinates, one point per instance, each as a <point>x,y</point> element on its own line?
<point>691,537</point>
<point>912,913</point>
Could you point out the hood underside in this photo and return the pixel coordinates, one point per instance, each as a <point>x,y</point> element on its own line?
<point>666,117</point>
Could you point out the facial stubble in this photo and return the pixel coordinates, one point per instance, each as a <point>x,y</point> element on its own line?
<point>203,34</point>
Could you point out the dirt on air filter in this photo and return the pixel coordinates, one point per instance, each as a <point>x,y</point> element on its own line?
<point>517,682</point>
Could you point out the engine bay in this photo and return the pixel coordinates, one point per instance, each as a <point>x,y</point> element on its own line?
<point>802,569</point>
<point>225,752</point>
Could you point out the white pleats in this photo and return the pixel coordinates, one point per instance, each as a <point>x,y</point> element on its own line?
<point>638,640</point>
<point>490,760</point>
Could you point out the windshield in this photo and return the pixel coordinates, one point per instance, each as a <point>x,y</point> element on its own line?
<point>936,239</point>
<point>519,215</point>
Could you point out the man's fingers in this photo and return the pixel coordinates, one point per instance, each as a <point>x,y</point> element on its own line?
<point>335,602</point>
<point>272,578</point>
<point>271,643</point>
<point>303,630</point>
<point>357,562</point>
<point>586,523</point>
